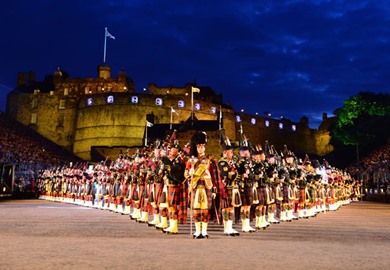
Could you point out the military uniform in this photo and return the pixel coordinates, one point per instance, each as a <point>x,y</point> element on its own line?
<point>173,176</point>
<point>228,176</point>
<point>203,178</point>
<point>247,183</point>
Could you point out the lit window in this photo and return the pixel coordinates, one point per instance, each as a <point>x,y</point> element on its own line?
<point>34,103</point>
<point>253,121</point>
<point>181,104</point>
<point>33,118</point>
<point>197,106</point>
<point>89,101</point>
<point>110,99</point>
<point>267,123</point>
<point>134,99</point>
<point>62,104</point>
<point>238,118</point>
<point>280,125</point>
<point>66,91</point>
<point>294,128</point>
<point>213,110</point>
<point>159,101</point>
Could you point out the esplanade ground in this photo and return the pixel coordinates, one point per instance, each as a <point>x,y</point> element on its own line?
<point>38,234</point>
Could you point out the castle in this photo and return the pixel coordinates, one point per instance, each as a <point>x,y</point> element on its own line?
<point>82,114</point>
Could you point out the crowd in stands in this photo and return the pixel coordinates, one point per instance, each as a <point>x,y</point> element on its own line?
<point>374,170</point>
<point>376,160</point>
<point>28,151</point>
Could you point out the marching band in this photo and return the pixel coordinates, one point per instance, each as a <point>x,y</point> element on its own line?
<point>165,184</point>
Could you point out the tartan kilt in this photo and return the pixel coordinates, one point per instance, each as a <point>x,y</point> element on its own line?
<point>134,193</point>
<point>302,196</point>
<point>227,202</point>
<point>182,214</point>
<point>158,189</point>
<point>247,196</point>
<point>141,195</point>
<point>262,192</point>
<point>173,196</point>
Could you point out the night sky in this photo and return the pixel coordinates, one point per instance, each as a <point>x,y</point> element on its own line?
<point>291,58</point>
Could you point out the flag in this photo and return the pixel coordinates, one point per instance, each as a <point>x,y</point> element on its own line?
<point>174,111</point>
<point>195,90</point>
<point>109,35</point>
<point>149,124</point>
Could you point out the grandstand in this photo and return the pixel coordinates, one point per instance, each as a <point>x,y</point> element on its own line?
<point>23,153</point>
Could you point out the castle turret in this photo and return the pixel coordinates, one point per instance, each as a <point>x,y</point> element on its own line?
<point>305,121</point>
<point>122,77</point>
<point>22,79</point>
<point>31,78</point>
<point>57,76</point>
<point>104,72</point>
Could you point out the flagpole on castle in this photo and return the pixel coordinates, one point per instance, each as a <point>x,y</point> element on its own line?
<point>106,34</point>
<point>105,45</point>
<point>170,126</point>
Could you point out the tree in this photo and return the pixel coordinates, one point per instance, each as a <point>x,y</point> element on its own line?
<point>363,121</point>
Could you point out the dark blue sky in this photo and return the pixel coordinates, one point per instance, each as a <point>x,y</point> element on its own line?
<point>291,58</point>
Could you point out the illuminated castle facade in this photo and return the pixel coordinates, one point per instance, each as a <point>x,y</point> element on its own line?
<point>81,114</point>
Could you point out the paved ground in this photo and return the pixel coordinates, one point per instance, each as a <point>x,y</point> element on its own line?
<point>36,234</point>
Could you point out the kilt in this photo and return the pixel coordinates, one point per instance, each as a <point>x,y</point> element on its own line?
<point>247,196</point>
<point>141,190</point>
<point>271,194</point>
<point>227,202</point>
<point>302,196</point>
<point>182,215</point>
<point>173,196</point>
<point>262,192</point>
<point>158,189</point>
<point>134,193</point>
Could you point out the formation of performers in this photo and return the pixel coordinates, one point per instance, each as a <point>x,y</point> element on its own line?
<point>159,185</point>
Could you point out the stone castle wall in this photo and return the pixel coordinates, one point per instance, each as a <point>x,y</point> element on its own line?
<point>76,114</point>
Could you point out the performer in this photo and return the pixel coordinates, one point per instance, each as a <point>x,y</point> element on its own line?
<point>247,181</point>
<point>260,210</point>
<point>156,185</point>
<point>271,175</point>
<point>173,171</point>
<point>228,175</point>
<point>202,178</point>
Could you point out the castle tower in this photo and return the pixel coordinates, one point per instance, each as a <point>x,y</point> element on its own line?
<point>31,78</point>
<point>57,76</point>
<point>104,71</point>
<point>22,79</point>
